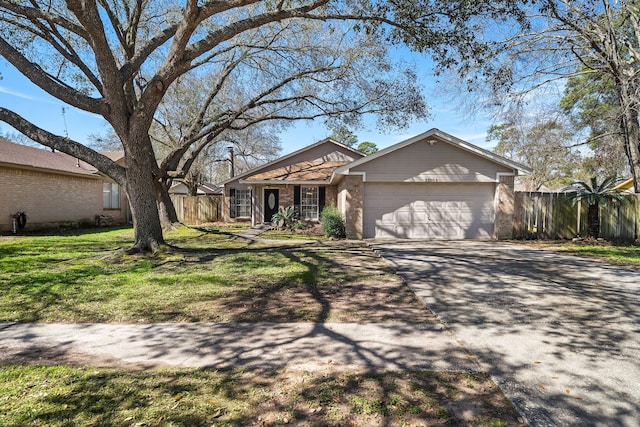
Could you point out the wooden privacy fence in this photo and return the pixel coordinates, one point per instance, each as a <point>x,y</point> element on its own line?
<point>196,210</point>
<point>553,216</point>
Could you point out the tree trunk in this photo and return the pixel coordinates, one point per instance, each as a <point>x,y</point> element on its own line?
<point>630,125</point>
<point>192,188</point>
<point>166,209</point>
<point>633,148</point>
<point>141,165</point>
<point>593,220</point>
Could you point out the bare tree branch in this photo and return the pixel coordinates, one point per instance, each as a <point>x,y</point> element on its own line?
<point>65,145</point>
<point>47,83</point>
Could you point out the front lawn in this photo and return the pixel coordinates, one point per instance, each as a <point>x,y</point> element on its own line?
<point>289,235</point>
<point>68,396</point>
<point>628,255</point>
<point>207,275</point>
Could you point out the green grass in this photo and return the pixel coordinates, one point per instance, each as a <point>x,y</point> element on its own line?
<point>287,235</point>
<point>206,275</point>
<point>66,396</point>
<point>619,254</point>
<point>88,277</point>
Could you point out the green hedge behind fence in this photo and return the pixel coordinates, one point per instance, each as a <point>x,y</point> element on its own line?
<point>553,216</point>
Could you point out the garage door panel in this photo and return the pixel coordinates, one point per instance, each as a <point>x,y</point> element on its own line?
<point>429,211</point>
<point>410,217</point>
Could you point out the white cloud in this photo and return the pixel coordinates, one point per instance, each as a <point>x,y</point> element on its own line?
<point>23,95</point>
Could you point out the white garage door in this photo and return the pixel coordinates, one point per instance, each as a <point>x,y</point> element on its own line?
<point>429,210</point>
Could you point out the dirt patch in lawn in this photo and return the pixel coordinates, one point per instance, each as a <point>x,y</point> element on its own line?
<point>380,399</point>
<point>207,277</point>
<point>347,282</point>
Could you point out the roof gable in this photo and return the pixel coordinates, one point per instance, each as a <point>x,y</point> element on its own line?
<point>432,136</point>
<point>315,162</point>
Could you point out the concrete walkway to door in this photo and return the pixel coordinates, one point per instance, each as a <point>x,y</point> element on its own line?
<point>560,334</point>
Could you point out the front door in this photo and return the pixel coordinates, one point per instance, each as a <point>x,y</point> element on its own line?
<point>270,203</point>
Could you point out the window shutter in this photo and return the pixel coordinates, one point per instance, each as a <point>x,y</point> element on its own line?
<point>321,198</point>
<point>232,203</point>
<point>296,198</point>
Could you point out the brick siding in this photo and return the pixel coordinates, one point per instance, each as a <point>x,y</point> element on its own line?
<point>285,199</point>
<point>51,199</point>
<point>505,207</point>
<point>352,205</point>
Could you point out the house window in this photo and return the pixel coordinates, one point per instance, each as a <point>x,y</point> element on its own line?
<point>110,195</point>
<point>243,203</point>
<point>309,202</point>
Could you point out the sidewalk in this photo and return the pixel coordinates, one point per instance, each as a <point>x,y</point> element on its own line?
<point>253,232</point>
<point>381,346</point>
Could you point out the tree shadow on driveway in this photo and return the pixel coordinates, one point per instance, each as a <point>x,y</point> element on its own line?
<point>559,333</point>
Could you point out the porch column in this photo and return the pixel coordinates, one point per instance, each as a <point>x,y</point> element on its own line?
<point>255,205</point>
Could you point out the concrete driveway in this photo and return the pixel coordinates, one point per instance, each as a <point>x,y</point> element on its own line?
<point>560,334</point>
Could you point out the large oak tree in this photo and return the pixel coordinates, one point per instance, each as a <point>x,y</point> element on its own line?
<point>118,58</point>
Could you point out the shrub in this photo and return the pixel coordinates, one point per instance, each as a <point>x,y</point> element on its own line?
<point>299,225</point>
<point>285,218</point>
<point>332,222</point>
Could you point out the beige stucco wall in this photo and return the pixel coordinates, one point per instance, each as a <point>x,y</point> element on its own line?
<point>424,162</point>
<point>51,199</point>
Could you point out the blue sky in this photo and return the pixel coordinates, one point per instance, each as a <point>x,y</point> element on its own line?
<point>21,96</point>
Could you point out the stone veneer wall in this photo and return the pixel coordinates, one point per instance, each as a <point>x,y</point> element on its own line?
<point>505,207</point>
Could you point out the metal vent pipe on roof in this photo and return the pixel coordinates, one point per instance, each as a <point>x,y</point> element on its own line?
<point>232,166</point>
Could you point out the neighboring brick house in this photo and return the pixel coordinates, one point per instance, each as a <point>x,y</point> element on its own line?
<point>54,189</point>
<point>432,186</point>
